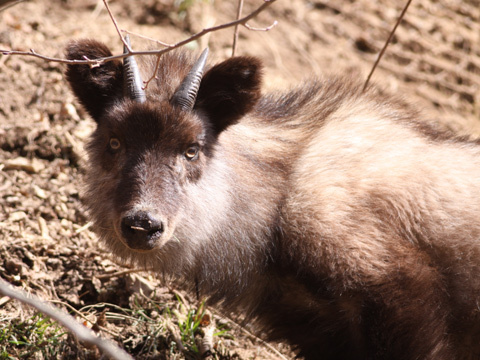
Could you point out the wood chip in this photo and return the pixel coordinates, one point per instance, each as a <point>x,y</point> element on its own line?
<point>21,163</point>
<point>17,216</point>
<point>42,223</point>
<point>39,192</point>
<point>4,300</point>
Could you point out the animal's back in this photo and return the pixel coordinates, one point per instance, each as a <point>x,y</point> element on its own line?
<point>382,213</point>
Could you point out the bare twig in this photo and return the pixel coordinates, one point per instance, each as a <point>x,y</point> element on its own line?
<point>154,74</point>
<point>121,273</point>
<point>99,61</point>
<point>147,38</point>
<point>235,33</point>
<point>5,4</point>
<point>86,61</point>
<point>82,333</point>
<point>83,228</point>
<point>81,315</point>
<point>129,49</point>
<point>275,23</point>
<point>386,43</point>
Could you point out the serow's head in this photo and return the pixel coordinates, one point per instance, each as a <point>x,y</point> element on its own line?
<point>151,148</point>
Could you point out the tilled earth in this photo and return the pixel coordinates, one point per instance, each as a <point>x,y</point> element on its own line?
<point>46,246</point>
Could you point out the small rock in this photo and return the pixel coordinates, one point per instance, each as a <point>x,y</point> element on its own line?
<point>17,216</point>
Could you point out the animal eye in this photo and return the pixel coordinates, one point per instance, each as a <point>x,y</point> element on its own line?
<point>114,143</point>
<point>191,153</point>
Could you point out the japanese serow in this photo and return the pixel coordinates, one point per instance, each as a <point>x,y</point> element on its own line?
<point>336,218</point>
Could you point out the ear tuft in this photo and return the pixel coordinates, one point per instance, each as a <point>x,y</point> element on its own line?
<point>95,87</point>
<point>229,90</point>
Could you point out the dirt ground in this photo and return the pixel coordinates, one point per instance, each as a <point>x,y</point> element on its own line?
<point>46,246</point>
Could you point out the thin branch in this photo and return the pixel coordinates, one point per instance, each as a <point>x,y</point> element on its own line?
<point>4,4</point>
<point>82,333</point>
<point>154,75</point>
<point>268,28</point>
<point>236,31</point>
<point>86,61</point>
<point>241,21</point>
<point>129,49</point>
<point>386,43</point>
<point>147,38</point>
<point>85,318</point>
<point>100,61</point>
<point>121,273</point>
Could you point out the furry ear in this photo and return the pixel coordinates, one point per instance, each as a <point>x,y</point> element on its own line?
<point>229,90</point>
<point>95,87</point>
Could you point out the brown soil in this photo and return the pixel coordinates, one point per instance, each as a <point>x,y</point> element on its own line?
<point>46,246</point>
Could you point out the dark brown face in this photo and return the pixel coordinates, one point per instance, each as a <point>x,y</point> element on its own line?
<point>145,157</point>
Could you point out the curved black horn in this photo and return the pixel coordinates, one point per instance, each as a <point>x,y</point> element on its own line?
<point>132,81</point>
<point>187,92</point>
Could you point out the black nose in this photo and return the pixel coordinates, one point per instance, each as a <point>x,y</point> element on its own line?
<point>141,230</point>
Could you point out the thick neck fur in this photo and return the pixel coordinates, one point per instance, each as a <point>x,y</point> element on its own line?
<point>238,215</point>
